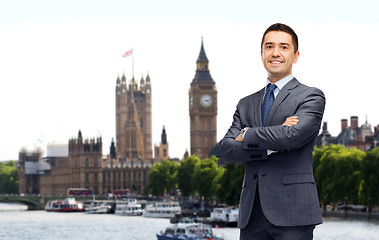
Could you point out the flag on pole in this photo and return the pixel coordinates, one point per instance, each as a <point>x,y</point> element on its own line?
<point>128,53</point>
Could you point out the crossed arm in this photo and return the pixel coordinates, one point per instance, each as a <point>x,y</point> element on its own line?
<point>290,121</point>
<point>295,132</point>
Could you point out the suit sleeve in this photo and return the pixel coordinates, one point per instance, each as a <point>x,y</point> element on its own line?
<point>233,151</point>
<point>284,138</point>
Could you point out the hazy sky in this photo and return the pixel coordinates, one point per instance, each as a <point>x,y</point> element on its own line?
<point>59,61</point>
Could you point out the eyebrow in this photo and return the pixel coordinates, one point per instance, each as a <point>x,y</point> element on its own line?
<point>282,43</point>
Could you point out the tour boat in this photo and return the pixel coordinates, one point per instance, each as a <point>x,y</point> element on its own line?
<point>162,209</point>
<point>224,216</point>
<point>188,230</point>
<point>67,205</point>
<point>97,207</point>
<point>128,207</point>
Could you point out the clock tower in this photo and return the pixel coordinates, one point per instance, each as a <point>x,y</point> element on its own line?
<point>203,108</point>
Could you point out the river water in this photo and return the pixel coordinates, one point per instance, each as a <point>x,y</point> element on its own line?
<point>16,223</point>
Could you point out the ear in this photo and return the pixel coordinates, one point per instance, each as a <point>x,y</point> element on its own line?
<point>297,54</point>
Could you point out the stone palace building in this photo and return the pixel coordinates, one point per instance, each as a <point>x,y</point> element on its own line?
<point>81,163</point>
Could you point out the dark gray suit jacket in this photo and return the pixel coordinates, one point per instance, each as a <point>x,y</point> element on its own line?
<point>287,187</point>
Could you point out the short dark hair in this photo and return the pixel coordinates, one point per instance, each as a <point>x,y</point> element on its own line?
<point>283,28</point>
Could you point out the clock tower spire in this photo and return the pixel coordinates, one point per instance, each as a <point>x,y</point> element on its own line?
<point>203,108</point>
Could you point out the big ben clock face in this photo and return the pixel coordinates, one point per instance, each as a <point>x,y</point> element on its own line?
<point>206,100</point>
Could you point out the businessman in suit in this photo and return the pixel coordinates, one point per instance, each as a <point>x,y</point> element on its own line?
<point>273,134</point>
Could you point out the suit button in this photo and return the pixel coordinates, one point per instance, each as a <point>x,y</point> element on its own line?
<point>255,176</point>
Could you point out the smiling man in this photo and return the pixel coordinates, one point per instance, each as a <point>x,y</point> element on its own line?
<point>273,134</point>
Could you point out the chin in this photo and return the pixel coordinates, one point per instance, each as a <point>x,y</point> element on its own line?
<point>276,73</point>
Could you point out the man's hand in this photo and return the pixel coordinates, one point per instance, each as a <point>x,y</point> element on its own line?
<point>290,121</point>
<point>239,138</point>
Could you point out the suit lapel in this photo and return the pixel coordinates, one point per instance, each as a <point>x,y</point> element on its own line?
<point>258,108</point>
<point>280,98</point>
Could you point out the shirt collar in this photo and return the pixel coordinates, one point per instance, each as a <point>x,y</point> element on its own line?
<point>282,82</point>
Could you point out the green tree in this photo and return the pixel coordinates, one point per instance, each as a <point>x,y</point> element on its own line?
<point>8,177</point>
<point>317,154</point>
<point>162,178</point>
<point>230,184</point>
<point>324,170</point>
<point>370,178</point>
<point>204,177</point>
<point>338,174</point>
<point>185,173</point>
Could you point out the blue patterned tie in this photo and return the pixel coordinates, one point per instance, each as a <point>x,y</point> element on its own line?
<point>267,101</point>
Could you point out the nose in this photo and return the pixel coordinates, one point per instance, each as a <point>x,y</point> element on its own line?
<point>276,52</point>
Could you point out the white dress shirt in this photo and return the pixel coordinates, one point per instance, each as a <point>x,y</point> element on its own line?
<point>279,84</point>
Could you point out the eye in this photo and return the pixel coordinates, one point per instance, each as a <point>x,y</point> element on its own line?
<point>284,47</point>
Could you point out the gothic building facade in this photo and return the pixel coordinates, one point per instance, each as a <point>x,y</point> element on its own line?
<point>133,119</point>
<point>203,109</point>
<point>83,165</point>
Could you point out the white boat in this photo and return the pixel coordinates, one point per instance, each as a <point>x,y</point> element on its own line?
<point>226,216</point>
<point>97,207</point>
<point>188,230</point>
<point>128,207</point>
<point>67,205</point>
<point>162,209</point>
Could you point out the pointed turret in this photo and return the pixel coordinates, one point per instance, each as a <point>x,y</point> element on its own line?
<point>148,84</point>
<point>118,85</point>
<point>161,150</point>
<point>148,76</point>
<point>142,83</point>
<point>147,79</point>
<point>133,84</point>
<point>164,136</point>
<point>202,69</point>
<point>202,56</point>
<point>112,150</point>
<point>123,79</point>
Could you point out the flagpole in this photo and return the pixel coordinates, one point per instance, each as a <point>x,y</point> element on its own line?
<point>127,54</point>
<point>133,61</point>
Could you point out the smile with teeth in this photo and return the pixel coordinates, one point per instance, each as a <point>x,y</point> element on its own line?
<point>275,62</point>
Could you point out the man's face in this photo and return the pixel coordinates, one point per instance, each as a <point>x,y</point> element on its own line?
<point>278,55</point>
